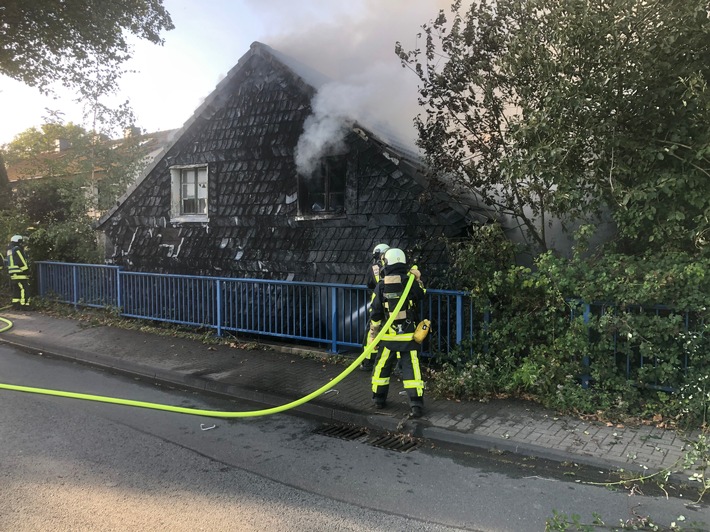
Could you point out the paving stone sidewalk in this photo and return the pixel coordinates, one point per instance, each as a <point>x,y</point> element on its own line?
<point>277,376</point>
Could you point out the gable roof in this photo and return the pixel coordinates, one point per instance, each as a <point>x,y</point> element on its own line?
<point>310,80</point>
<point>256,48</point>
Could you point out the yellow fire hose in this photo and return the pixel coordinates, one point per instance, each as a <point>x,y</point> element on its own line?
<point>213,413</point>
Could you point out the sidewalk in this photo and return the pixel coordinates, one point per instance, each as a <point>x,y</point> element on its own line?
<point>273,378</point>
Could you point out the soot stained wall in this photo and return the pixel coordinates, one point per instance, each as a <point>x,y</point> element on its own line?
<point>247,135</point>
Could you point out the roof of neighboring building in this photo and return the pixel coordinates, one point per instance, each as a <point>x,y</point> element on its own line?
<point>151,144</point>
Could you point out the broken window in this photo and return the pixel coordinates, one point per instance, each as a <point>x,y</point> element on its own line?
<point>323,192</point>
<point>189,193</point>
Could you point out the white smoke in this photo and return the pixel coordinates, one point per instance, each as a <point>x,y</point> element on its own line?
<point>335,108</point>
<point>355,48</point>
<point>325,130</point>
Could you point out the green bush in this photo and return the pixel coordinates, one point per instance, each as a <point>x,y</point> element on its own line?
<point>53,215</point>
<point>541,344</point>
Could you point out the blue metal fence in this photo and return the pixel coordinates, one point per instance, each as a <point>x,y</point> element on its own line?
<point>333,315</point>
<point>627,349</point>
<point>80,284</point>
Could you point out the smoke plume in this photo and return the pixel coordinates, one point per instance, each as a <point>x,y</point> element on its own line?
<point>325,130</point>
<point>335,108</point>
<point>353,45</point>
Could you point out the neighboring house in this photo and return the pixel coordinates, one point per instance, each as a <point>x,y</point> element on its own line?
<point>226,199</point>
<point>64,163</point>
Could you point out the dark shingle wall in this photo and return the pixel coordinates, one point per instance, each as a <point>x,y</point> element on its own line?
<point>247,135</point>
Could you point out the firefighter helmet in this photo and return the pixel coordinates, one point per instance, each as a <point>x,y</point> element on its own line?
<point>16,239</point>
<point>394,256</point>
<point>379,251</point>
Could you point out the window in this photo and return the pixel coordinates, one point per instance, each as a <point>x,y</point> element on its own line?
<point>189,186</point>
<point>193,190</point>
<point>323,192</point>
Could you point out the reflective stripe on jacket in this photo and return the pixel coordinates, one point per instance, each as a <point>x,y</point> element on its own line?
<point>387,295</point>
<point>16,261</point>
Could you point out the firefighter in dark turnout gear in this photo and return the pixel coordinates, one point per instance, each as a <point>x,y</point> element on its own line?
<point>18,268</point>
<point>398,341</point>
<point>373,272</point>
<point>371,279</point>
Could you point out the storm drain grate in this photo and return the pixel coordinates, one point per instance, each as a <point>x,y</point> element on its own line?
<point>401,444</point>
<point>343,432</point>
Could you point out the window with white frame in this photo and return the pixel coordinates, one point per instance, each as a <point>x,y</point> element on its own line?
<point>189,186</point>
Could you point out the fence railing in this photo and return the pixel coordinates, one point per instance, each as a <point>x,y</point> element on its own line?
<point>657,363</point>
<point>331,315</point>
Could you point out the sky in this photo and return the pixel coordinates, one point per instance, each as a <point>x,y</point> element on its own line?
<point>351,42</point>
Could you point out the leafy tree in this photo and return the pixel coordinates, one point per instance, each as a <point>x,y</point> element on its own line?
<point>104,167</point>
<point>29,149</point>
<point>58,222</point>
<point>570,108</point>
<point>81,44</point>
<point>54,215</point>
<point>72,41</point>
<point>5,188</point>
<point>77,184</point>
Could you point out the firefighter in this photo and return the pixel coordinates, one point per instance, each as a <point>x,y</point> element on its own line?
<point>372,277</point>
<point>18,269</point>
<point>398,342</point>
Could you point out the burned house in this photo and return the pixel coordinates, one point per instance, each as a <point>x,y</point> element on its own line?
<point>226,198</point>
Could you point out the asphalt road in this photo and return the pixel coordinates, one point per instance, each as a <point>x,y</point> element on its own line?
<point>75,465</point>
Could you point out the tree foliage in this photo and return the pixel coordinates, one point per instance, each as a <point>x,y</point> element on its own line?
<point>5,188</point>
<point>30,145</point>
<point>53,215</point>
<point>540,340</point>
<point>56,220</point>
<point>50,41</point>
<point>59,193</point>
<point>570,108</point>
<point>104,167</point>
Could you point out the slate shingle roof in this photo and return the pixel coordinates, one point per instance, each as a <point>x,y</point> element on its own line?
<point>247,131</point>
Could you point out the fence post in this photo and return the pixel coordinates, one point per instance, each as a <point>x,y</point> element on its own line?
<point>119,293</point>
<point>75,286</point>
<point>40,280</point>
<point>334,319</point>
<point>219,307</point>
<point>459,319</point>
<point>585,361</point>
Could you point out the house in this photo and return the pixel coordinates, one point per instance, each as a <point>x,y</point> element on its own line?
<point>227,198</point>
<point>69,162</point>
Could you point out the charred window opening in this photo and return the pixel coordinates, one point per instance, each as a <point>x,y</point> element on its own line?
<point>323,192</point>
<point>189,193</point>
